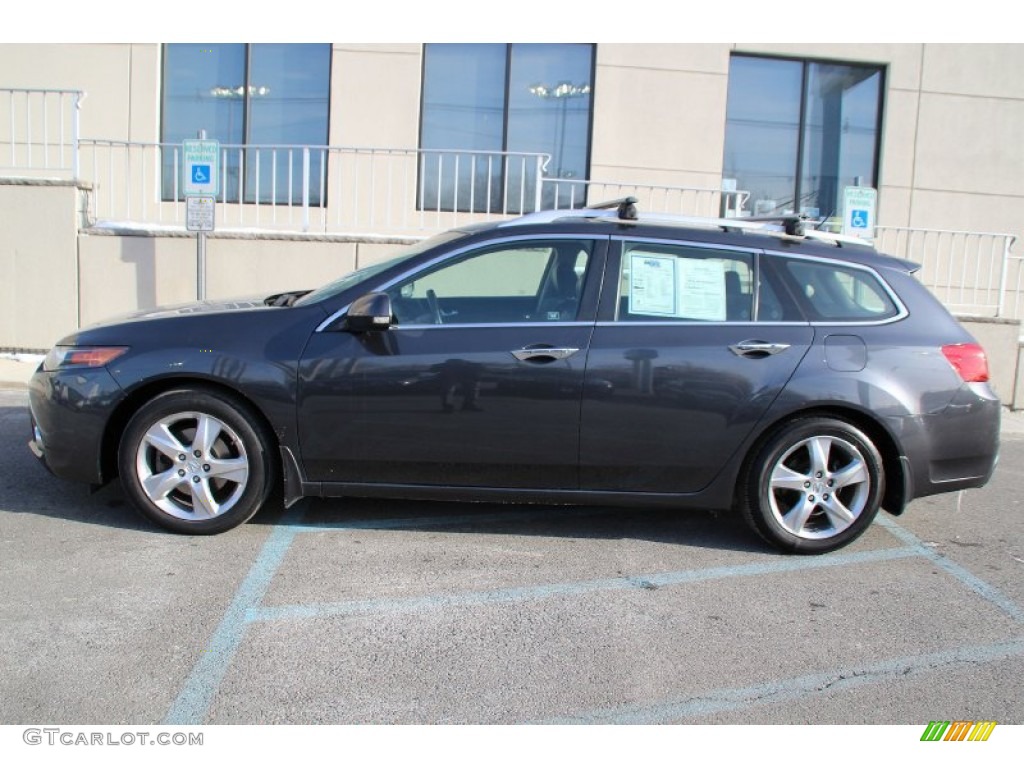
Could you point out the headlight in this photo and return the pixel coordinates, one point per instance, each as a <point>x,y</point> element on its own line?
<point>81,357</point>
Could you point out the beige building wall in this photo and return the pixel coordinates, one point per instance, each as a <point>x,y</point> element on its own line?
<point>659,114</point>
<point>123,94</point>
<point>951,157</point>
<point>122,273</point>
<point>38,263</point>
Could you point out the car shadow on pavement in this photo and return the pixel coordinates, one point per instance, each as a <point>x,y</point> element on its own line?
<point>26,487</point>
<point>694,529</point>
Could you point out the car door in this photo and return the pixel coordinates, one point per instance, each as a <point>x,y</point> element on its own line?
<point>477,383</point>
<point>687,355</point>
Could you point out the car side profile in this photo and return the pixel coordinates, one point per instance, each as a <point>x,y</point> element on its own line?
<point>589,356</point>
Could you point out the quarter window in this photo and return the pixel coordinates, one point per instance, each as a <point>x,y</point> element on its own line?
<point>833,292</point>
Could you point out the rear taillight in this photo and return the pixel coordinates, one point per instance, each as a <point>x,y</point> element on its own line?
<point>968,360</point>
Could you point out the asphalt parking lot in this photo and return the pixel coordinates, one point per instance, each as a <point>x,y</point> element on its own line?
<point>349,611</point>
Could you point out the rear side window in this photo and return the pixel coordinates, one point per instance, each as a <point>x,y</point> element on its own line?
<point>835,292</point>
<point>660,282</point>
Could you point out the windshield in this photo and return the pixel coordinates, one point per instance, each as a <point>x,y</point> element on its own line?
<point>345,282</point>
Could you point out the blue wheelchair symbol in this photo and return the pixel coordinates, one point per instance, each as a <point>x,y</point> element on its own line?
<point>200,174</point>
<point>859,219</point>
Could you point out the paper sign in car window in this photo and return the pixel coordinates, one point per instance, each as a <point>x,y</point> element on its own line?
<point>701,289</point>
<point>652,284</point>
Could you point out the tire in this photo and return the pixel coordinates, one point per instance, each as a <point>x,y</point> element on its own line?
<point>196,461</point>
<point>814,486</point>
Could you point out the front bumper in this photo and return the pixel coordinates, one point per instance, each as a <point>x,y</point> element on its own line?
<point>69,411</point>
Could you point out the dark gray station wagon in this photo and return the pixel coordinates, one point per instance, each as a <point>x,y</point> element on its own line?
<point>590,356</point>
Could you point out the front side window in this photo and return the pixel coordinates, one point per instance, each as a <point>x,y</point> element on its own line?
<point>531,281</point>
<point>660,282</point>
<point>483,104</point>
<point>799,132</point>
<point>274,96</point>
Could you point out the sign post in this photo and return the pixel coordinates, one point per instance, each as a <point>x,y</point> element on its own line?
<point>201,183</point>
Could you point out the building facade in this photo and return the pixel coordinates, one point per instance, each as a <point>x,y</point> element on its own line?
<point>333,151</point>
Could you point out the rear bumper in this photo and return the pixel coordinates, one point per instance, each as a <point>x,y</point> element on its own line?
<point>955,448</point>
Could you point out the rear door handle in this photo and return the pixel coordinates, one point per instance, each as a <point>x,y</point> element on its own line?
<point>756,348</point>
<point>540,354</point>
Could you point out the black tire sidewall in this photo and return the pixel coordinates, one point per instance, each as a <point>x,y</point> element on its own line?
<point>224,408</point>
<point>756,507</point>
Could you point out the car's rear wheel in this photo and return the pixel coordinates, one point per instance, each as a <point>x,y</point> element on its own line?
<point>815,485</point>
<point>196,461</point>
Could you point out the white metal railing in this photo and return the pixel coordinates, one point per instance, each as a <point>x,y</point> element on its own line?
<point>317,188</point>
<point>359,190</point>
<point>652,198</point>
<point>968,271</point>
<point>39,132</point>
<point>1013,288</point>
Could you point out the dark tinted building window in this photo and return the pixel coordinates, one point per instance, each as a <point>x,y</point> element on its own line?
<point>799,132</point>
<point>267,94</point>
<point>533,98</point>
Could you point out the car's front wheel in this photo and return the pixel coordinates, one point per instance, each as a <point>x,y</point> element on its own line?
<point>815,485</point>
<point>196,461</point>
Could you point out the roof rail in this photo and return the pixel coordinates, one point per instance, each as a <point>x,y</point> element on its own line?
<point>788,226</point>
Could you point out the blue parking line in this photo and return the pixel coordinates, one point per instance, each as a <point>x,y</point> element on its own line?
<point>193,703</point>
<point>961,574</point>
<point>731,699</point>
<point>577,588</point>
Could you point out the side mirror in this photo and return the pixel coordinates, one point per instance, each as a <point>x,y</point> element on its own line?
<point>371,312</point>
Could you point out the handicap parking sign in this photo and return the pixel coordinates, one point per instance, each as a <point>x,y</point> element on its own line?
<point>860,206</point>
<point>199,166</point>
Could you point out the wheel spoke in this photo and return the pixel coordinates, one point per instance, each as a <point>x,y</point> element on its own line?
<point>819,448</point>
<point>160,437</point>
<point>202,499</point>
<point>785,478</point>
<point>235,470</point>
<point>837,512</point>
<point>158,486</point>
<point>797,517</point>
<point>853,473</point>
<point>207,430</point>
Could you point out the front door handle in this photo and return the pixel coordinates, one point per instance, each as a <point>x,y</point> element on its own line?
<point>757,349</point>
<point>540,354</point>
